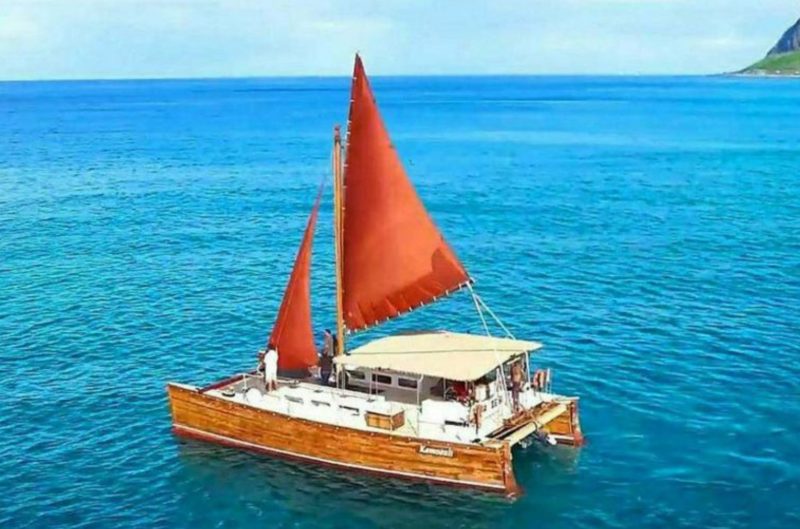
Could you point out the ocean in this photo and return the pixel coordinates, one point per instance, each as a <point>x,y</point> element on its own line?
<point>645,229</point>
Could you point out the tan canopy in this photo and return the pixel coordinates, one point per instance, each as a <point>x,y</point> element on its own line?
<point>454,356</point>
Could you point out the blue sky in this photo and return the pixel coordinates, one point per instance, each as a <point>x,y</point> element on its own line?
<point>47,39</point>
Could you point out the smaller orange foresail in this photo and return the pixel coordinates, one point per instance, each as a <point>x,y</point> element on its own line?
<point>293,333</point>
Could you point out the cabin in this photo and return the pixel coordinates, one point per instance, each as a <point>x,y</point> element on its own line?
<point>452,385</point>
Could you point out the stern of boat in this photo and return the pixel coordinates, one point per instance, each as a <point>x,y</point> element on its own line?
<point>565,428</point>
<point>513,490</point>
<point>555,421</point>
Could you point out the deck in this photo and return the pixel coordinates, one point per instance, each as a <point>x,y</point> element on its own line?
<point>312,400</point>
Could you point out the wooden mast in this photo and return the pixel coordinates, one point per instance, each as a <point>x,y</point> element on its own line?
<point>337,238</point>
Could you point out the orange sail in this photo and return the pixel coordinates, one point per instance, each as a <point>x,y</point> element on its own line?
<point>394,257</point>
<point>293,334</point>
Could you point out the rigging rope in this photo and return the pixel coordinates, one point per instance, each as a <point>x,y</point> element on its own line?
<point>508,333</point>
<point>476,300</point>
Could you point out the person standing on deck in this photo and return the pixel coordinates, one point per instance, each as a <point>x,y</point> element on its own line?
<point>271,368</point>
<point>516,383</point>
<point>326,358</point>
<point>340,380</point>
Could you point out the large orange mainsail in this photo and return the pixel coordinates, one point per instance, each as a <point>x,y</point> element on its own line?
<point>293,333</point>
<point>394,259</point>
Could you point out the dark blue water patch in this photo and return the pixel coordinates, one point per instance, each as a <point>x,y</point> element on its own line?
<point>646,230</point>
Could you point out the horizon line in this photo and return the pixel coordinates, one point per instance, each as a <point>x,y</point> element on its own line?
<point>345,76</point>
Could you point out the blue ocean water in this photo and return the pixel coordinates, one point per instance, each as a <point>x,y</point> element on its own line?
<point>647,230</point>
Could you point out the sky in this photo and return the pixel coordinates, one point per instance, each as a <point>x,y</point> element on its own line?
<point>94,39</point>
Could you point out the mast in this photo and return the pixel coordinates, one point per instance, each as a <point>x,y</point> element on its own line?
<point>337,237</point>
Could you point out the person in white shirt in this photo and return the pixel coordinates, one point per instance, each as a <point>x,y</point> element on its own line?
<point>271,368</point>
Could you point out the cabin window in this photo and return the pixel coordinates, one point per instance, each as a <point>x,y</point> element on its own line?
<point>407,383</point>
<point>357,375</point>
<point>381,379</point>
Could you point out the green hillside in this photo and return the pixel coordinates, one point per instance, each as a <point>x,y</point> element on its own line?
<point>780,64</point>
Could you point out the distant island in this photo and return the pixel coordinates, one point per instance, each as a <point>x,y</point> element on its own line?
<point>782,59</point>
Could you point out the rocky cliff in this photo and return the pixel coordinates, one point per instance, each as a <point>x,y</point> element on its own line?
<point>783,58</point>
<point>790,41</point>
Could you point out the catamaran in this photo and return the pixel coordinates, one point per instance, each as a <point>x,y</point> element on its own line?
<point>443,407</point>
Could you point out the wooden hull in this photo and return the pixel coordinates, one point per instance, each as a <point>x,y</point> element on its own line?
<point>566,428</point>
<point>202,416</point>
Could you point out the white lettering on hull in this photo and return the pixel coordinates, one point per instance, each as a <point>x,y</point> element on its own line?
<point>436,451</point>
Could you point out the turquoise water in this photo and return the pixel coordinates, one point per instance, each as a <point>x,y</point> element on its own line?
<point>647,230</point>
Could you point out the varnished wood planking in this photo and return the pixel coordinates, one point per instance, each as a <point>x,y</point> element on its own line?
<point>345,445</point>
<point>325,448</point>
<point>470,465</point>
<point>567,425</point>
<point>284,436</point>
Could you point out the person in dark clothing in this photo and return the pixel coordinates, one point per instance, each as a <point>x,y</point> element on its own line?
<point>326,358</point>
